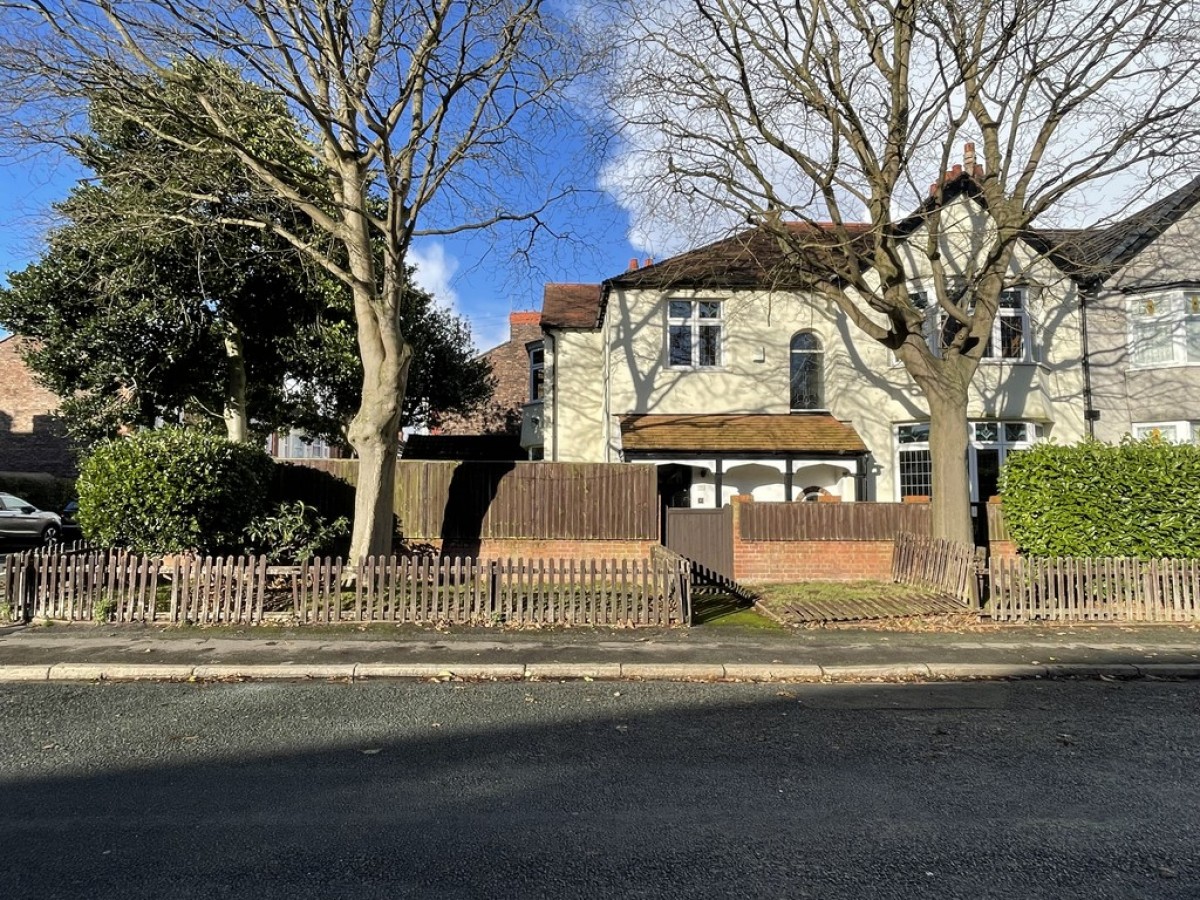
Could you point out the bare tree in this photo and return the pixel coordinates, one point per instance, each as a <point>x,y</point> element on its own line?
<point>824,122</point>
<point>414,116</point>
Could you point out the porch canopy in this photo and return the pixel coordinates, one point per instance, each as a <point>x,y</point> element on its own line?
<point>787,443</point>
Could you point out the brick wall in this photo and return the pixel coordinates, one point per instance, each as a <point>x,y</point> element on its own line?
<point>510,369</point>
<point>781,561</point>
<point>530,548</point>
<point>1002,549</point>
<point>31,439</point>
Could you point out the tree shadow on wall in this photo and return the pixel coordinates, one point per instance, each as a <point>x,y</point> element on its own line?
<point>473,488</point>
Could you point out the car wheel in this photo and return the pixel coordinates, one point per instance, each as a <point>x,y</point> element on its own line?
<point>51,535</point>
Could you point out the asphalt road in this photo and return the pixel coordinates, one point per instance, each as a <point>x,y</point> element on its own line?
<point>1021,790</point>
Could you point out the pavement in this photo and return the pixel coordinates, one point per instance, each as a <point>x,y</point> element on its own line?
<point>91,652</point>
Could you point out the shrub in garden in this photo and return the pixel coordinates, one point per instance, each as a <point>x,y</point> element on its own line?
<point>1137,498</point>
<point>295,531</point>
<point>172,490</point>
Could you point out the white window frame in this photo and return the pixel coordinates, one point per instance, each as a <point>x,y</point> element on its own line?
<point>1003,442</point>
<point>1186,432</point>
<point>936,318</point>
<point>695,322</point>
<point>537,363</point>
<point>1170,313</point>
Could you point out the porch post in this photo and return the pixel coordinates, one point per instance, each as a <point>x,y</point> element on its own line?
<point>719,476</point>
<point>787,479</point>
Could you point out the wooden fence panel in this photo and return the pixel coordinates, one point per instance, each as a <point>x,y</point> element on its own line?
<point>1080,589</point>
<point>945,566</point>
<point>832,521</point>
<point>132,588</point>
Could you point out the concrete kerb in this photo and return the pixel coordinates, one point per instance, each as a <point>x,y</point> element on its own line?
<point>606,671</point>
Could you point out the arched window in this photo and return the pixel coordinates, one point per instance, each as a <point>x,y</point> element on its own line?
<point>808,372</point>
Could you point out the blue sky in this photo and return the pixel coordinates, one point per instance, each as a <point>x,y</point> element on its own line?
<point>476,274</point>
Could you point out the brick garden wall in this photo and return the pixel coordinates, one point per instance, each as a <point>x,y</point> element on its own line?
<point>31,439</point>
<point>760,561</point>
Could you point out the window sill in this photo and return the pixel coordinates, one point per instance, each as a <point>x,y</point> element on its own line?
<point>697,368</point>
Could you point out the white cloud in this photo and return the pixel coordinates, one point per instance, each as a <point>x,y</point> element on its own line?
<point>435,272</point>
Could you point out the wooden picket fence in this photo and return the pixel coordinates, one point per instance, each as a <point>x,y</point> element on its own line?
<point>1095,590</point>
<point>947,567</point>
<point>129,588</point>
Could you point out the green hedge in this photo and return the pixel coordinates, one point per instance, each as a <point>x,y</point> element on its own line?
<point>1138,499</point>
<point>173,490</point>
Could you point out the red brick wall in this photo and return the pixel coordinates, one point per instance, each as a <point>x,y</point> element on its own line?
<point>31,439</point>
<point>510,369</point>
<point>777,561</point>
<point>782,561</point>
<point>1002,549</point>
<point>530,548</point>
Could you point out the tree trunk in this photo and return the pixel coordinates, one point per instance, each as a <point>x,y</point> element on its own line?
<point>374,434</point>
<point>948,441</point>
<point>237,420</point>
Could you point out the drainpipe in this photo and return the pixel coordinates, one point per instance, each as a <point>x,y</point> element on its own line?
<point>553,395</point>
<point>1089,414</point>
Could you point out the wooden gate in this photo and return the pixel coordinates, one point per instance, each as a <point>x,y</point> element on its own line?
<point>705,536</point>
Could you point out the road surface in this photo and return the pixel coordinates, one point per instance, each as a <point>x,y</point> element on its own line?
<point>600,789</point>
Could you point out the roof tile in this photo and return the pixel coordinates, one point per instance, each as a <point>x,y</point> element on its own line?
<point>754,433</point>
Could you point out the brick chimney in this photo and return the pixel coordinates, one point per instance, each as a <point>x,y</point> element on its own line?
<point>969,165</point>
<point>633,264</point>
<point>525,326</point>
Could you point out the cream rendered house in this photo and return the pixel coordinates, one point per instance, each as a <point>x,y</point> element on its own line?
<point>734,384</point>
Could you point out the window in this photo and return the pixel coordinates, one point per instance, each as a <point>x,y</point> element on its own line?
<point>808,372</point>
<point>1171,432</point>
<point>1164,329</point>
<point>1011,335</point>
<point>915,466</point>
<point>694,333</point>
<point>537,371</point>
<point>990,443</point>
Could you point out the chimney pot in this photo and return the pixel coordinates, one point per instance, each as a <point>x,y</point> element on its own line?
<point>633,264</point>
<point>956,171</point>
<point>648,262</point>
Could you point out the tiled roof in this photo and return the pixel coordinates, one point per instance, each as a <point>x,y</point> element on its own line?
<point>755,433</point>
<point>1094,254</point>
<point>571,306</point>
<point>754,258</point>
<point>479,447</point>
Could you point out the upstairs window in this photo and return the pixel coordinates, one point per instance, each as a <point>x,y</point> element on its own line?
<point>1011,335</point>
<point>537,371</point>
<point>1164,329</point>
<point>694,334</point>
<point>808,372</point>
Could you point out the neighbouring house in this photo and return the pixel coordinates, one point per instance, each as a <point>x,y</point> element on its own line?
<point>296,445</point>
<point>496,428</point>
<point>1140,280</point>
<point>709,366</point>
<point>32,440</point>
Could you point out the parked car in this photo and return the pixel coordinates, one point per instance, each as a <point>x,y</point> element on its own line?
<point>71,529</point>
<point>21,521</point>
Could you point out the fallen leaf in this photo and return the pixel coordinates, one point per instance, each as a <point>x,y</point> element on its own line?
<point>371,751</point>
<point>622,728</point>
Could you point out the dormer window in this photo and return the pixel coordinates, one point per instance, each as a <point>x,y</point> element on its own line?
<point>1165,329</point>
<point>537,371</point>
